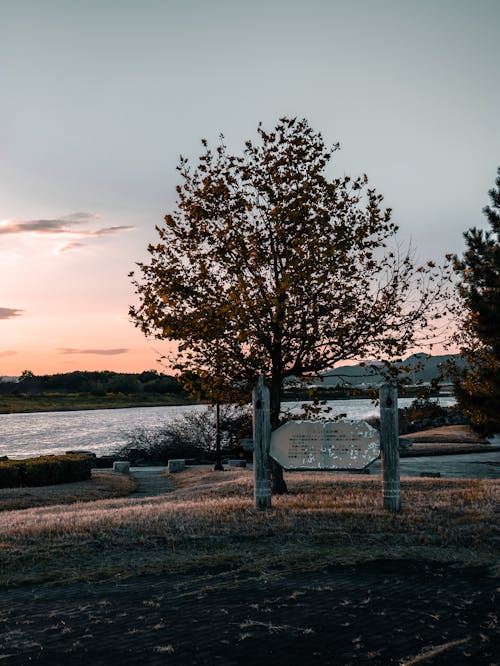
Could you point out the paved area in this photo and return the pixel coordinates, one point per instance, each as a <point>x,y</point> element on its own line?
<point>381,613</point>
<point>462,466</point>
<point>150,481</point>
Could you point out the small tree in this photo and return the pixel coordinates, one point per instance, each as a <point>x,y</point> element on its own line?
<point>477,385</point>
<point>267,266</point>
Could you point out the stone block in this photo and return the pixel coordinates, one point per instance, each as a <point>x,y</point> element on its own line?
<point>237,463</point>
<point>176,465</point>
<point>122,466</point>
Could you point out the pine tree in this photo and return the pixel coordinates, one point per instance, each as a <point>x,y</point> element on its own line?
<point>477,386</point>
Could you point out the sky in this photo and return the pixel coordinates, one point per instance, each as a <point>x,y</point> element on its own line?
<point>99,98</point>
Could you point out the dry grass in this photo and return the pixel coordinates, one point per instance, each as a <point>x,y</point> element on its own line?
<point>445,440</point>
<point>103,484</point>
<point>208,523</point>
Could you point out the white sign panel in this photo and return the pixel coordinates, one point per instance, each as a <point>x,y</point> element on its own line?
<point>311,445</point>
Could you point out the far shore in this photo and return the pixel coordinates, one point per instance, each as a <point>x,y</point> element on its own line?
<point>22,404</point>
<point>26,403</point>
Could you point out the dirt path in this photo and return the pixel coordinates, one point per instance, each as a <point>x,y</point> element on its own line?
<point>379,613</point>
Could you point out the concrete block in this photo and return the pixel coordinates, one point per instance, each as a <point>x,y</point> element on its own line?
<point>237,463</point>
<point>122,466</point>
<point>176,465</point>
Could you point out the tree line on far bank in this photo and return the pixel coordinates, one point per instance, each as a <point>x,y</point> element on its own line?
<point>97,383</point>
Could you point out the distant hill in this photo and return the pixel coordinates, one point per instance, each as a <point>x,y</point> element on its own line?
<point>422,370</point>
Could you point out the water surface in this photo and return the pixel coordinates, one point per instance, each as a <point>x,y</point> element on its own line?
<point>103,431</point>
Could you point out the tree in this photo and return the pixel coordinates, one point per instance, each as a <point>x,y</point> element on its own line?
<point>477,385</point>
<point>267,266</point>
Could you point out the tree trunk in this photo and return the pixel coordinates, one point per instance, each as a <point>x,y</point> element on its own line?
<point>278,485</point>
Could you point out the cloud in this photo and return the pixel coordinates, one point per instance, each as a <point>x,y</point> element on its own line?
<point>81,217</point>
<point>109,230</point>
<point>99,352</point>
<point>10,313</point>
<point>68,246</point>
<point>47,226</point>
<point>69,226</point>
<point>7,352</point>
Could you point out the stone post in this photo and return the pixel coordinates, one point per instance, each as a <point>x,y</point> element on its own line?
<point>389,447</point>
<point>261,444</point>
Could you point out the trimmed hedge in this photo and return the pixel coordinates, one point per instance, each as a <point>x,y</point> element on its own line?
<point>45,470</point>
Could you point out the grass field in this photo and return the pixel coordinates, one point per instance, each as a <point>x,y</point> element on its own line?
<point>208,523</point>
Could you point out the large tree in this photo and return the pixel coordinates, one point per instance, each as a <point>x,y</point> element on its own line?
<point>267,265</point>
<point>477,385</point>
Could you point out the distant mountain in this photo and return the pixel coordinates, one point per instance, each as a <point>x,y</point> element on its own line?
<point>422,369</point>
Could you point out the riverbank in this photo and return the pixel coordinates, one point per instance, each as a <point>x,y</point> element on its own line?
<point>66,402</point>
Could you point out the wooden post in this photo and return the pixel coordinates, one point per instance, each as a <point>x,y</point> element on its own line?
<point>389,447</point>
<point>261,444</point>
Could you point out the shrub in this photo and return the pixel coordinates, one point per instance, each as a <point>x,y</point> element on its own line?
<point>45,470</point>
<point>424,413</point>
<point>42,472</point>
<point>10,474</point>
<point>190,436</point>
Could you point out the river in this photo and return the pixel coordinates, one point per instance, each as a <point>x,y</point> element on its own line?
<point>103,431</point>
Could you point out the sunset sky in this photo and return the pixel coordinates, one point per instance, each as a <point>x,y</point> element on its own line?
<point>99,98</point>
